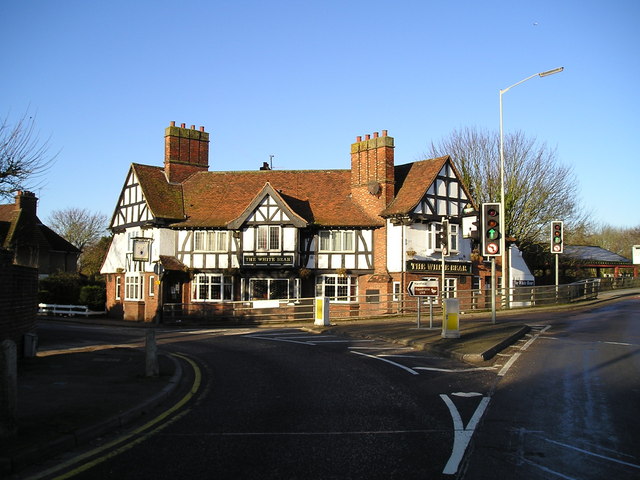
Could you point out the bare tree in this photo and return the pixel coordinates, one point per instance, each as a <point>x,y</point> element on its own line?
<point>538,189</point>
<point>78,226</point>
<point>23,157</point>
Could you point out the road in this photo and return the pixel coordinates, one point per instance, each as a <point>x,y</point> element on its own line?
<point>569,408</point>
<point>562,403</point>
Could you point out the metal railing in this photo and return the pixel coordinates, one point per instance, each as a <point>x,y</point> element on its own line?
<point>66,310</point>
<point>301,310</point>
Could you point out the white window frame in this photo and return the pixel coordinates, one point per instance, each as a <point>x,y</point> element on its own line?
<point>337,241</point>
<point>152,286</point>
<point>397,291</point>
<point>210,241</point>
<point>450,286</point>
<point>118,287</point>
<point>332,286</point>
<point>269,238</point>
<point>435,228</point>
<point>270,290</point>
<point>134,287</point>
<point>204,284</point>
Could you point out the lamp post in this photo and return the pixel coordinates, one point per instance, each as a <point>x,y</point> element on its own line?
<point>502,200</point>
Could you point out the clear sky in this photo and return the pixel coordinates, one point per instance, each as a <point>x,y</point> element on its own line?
<point>301,79</point>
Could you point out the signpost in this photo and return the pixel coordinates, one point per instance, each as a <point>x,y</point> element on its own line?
<point>424,288</point>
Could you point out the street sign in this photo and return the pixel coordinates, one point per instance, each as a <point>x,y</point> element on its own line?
<point>423,288</point>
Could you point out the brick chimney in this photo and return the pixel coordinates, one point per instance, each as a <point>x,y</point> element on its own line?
<point>372,172</point>
<point>186,151</point>
<point>27,202</point>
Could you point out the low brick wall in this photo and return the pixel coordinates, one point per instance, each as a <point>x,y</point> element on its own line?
<point>18,300</point>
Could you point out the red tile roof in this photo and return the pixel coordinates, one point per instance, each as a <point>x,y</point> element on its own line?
<point>213,199</point>
<point>412,182</point>
<point>322,197</point>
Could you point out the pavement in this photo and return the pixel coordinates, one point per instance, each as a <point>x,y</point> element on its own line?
<point>67,398</point>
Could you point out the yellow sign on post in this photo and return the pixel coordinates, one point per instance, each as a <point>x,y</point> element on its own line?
<point>451,318</point>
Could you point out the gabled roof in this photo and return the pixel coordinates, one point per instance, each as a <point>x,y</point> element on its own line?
<point>267,191</point>
<point>10,219</point>
<point>163,198</point>
<point>412,182</point>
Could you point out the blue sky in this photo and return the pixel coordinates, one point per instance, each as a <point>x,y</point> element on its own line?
<point>301,79</point>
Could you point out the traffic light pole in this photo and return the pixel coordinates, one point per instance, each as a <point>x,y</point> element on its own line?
<point>557,275</point>
<point>493,290</point>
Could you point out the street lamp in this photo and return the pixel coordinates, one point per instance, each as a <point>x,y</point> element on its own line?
<point>504,208</point>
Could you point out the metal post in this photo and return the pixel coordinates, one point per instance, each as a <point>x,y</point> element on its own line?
<point>419,302</point>
<point>557,277</point>
<point>493,289</point>
<point>152,368</point>
<point>430,312</point>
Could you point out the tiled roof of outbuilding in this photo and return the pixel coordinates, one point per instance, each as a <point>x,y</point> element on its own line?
<point>587,253</point>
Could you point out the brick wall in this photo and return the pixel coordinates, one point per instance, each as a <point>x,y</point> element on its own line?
<point>18,300</point>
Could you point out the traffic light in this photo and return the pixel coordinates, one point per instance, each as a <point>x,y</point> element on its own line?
<point>491,229</point>
<point>557,237</point>
<point>444,237</point>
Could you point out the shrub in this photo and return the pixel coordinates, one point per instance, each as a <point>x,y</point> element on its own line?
<point>93,296</point>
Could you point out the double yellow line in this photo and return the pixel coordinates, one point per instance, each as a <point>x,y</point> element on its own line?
<point>130,439</point>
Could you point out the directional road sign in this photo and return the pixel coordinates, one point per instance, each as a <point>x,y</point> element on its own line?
<point>423,288</point>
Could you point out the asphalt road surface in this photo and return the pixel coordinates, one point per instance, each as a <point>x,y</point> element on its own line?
<point>562,403</point>
<point>569,408</point>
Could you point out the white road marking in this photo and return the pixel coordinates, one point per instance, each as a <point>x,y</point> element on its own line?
<point>340,341</point>
<point>466,394</point>
<point>410,370</point>
<point>524,347</point>
<point>587,452</point>
<point>382,348</point>
<point>620,343</point>
<point>507,365</point>
<point>275,339</point>
<point>454,370</point>
<point>462,435</point>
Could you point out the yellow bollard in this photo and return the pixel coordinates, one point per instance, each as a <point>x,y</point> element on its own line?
<point>451,318</point>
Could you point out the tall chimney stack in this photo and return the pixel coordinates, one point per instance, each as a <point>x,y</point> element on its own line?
<point>186,151</point>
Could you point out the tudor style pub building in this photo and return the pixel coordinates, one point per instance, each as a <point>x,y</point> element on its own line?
<point>184,233</point>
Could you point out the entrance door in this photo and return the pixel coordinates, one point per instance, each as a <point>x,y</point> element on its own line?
<point>173,291</point>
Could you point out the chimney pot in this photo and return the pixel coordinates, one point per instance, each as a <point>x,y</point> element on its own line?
<point>202,129</point>
<point>359,138</point>
<point>367,137</point>
<point>182,125</point>
<point>172,124</point>
<point>193,127</point>
<point>375,134</point>
<point>384,133</point>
